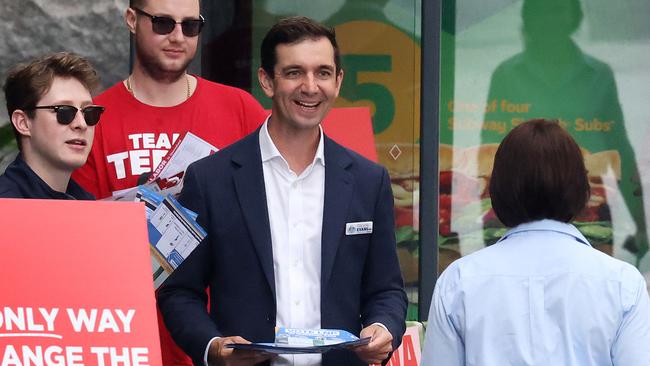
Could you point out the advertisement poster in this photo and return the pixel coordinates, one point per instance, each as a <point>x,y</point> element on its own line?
<point>536,64</point>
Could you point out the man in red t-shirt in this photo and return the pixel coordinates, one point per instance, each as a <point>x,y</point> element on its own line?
<point>146,113</point>
<point>159,102</point>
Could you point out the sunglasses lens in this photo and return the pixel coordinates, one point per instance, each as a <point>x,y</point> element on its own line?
<point>191,28</point>
<point>92,114</point>
<point>162,25</point>
<point>65,114</point>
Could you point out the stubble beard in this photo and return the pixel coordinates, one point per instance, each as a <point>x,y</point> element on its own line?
<point>157,70</point>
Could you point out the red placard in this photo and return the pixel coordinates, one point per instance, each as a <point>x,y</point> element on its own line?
<point>76,284</point>
<point>408,353</point>
<point>352,128</point>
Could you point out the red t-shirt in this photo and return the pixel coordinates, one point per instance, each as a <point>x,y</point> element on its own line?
<point>133,137</point>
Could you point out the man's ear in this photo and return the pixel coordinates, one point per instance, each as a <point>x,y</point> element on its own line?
<point>266,82</point>
<point>22,123</point>
<point>339,82</point>
<point>130,19</point>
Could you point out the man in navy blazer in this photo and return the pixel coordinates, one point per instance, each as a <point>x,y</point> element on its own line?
<point>300,229</point>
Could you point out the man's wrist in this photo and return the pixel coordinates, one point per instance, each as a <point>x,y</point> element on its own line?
<point>381,325</point>
<point>207,351</point>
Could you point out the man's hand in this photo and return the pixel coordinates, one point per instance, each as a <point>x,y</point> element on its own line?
<point>219,355</point>
<point>379,347</point>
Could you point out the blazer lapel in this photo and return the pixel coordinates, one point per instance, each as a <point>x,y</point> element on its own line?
<point>249,185</point>
<point>339,185</point>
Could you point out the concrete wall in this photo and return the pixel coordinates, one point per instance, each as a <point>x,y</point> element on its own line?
<point>92,28</point>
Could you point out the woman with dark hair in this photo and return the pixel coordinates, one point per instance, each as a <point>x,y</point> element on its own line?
<point>541,295</point>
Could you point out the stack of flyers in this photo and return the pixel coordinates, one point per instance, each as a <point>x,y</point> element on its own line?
<point>173,232</point>
<point>150,198</point>
<point>168,175</point>
<point>167,178</point>
<point>312,337</point>
<point>296,341</point>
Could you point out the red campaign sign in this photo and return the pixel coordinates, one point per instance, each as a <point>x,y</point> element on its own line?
<point>76,285</point>
<point>408,353</point>
<point>352,128</point>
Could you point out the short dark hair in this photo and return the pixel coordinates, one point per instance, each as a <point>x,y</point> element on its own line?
<point>26,83</point>
<point>292,30</point>
<point>142,3</point>
<point>539,173</point>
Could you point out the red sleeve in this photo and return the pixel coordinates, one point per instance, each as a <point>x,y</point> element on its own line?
<point>254,114</point>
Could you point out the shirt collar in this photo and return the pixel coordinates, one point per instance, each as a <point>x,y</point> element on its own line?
<point>33,186</point>
<point>269,151</point>
<point>548,225</point>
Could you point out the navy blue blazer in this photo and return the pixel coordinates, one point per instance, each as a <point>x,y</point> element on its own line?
<point>361,281</point>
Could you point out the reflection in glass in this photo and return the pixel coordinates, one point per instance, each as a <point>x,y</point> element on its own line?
<point>554,78</point>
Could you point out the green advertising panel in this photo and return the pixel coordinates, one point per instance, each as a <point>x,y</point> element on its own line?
<point>582,63</point>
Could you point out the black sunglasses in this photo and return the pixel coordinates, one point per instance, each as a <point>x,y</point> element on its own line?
<point>165,25</point>
<point>65,113</point>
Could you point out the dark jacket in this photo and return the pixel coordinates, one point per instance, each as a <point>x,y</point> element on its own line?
<point>20,181</point>
<point>361,281</point>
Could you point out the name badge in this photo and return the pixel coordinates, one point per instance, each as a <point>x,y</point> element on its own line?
<point>358,228</point>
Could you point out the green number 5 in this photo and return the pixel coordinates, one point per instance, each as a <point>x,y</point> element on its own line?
<point>376,93</point>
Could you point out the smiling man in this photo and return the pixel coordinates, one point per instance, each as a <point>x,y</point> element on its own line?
<point>300,229</point>
<point>159,101</point>
<point>53,117</point>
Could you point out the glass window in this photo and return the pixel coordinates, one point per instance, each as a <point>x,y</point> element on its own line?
<point>583,63</point>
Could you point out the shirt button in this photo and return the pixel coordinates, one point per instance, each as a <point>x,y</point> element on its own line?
<point>297,302</point>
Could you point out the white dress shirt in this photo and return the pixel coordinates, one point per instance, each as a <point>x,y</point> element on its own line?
<point>295,206</point>
<point>540,296</point>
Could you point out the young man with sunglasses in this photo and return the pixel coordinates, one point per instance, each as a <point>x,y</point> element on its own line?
<point>159,102</point>
<point>53,116</point>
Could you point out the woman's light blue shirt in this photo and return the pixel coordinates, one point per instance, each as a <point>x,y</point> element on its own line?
<point>540,296</point>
